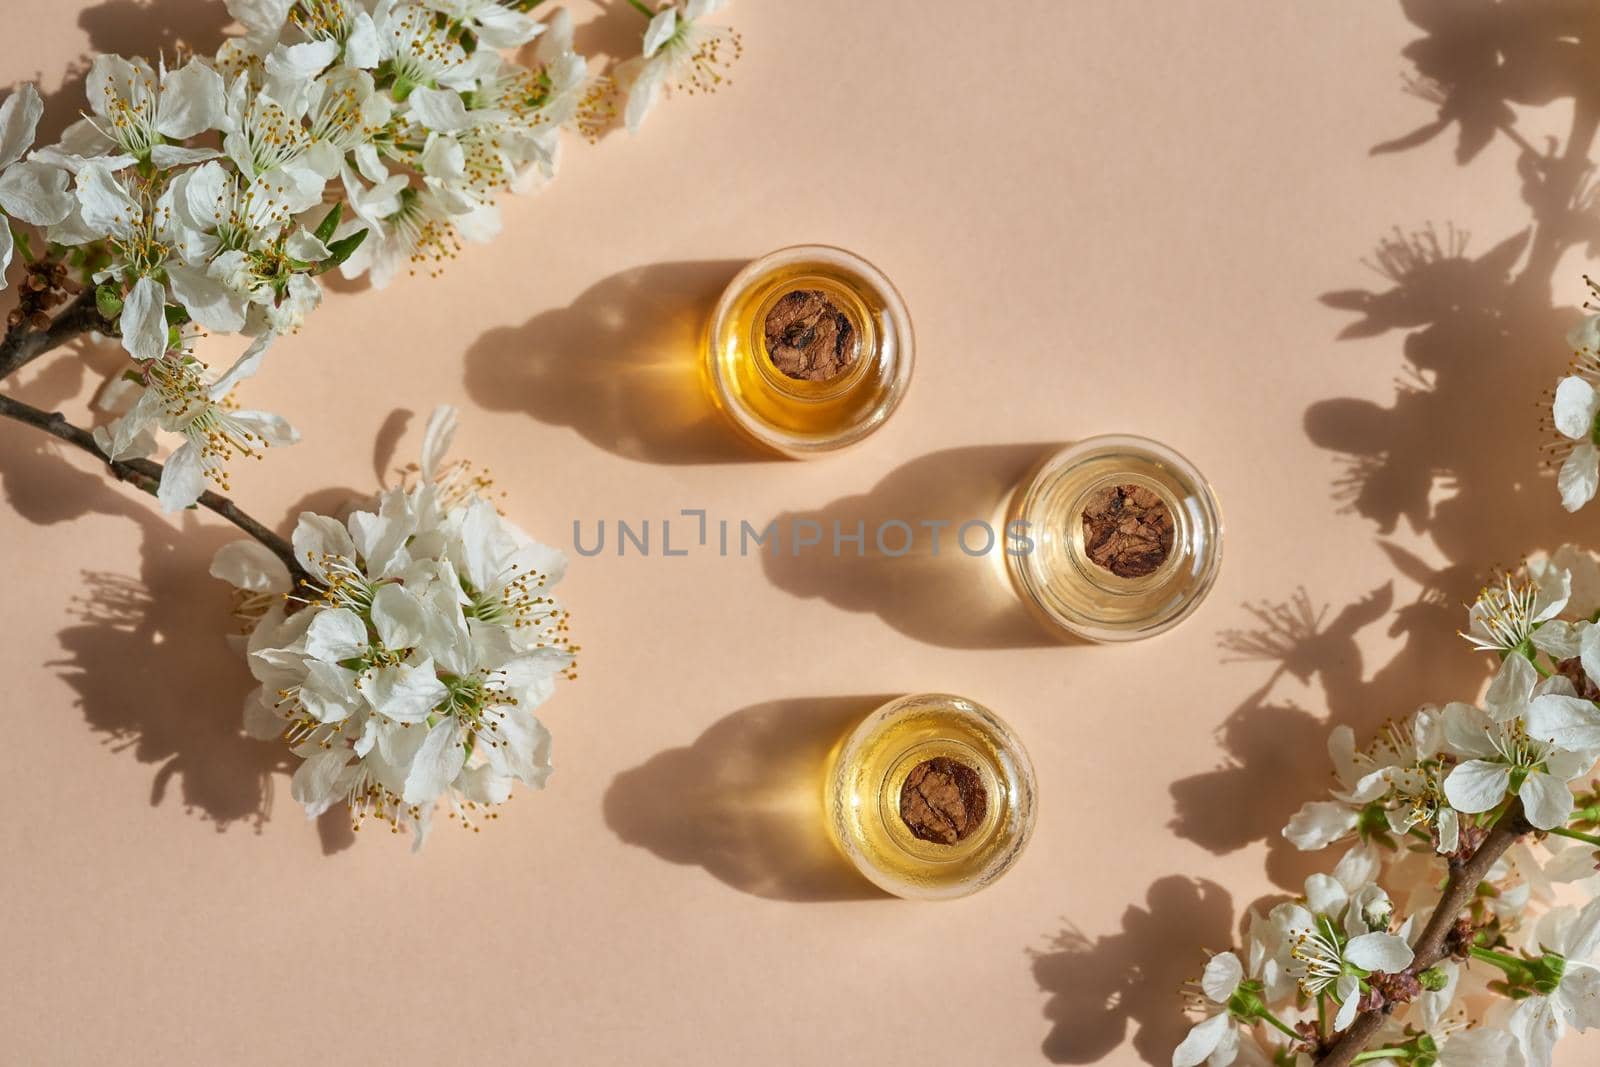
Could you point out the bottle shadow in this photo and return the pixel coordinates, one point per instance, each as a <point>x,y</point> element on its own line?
<point>938,595</point>
<point>744,801</point>
<point>621,365</point>
<point>1099,987</point>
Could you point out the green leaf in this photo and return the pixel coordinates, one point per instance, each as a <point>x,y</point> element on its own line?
<point>108,298</point>
<point>177,315</point>
<point>341,250</point>
<point>325,228</point>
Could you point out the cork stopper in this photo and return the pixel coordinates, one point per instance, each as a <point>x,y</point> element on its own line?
<point>809,338</point>
<point>943,801</point>
<point>1127,530</point>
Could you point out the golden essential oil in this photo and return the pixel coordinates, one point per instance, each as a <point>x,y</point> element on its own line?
<point>1114,539</point>
<point>809,350</point>
<point>931,797</point>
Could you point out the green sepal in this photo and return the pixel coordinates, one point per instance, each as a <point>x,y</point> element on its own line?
<point>108,298</point>
<point>341,250</point>
<point>330,223</point>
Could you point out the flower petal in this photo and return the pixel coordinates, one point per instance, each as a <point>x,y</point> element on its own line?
<point>1319,824</point>
<point>436,440</point>
<point>1513,684</point>
<point>329,692</point>
<point>192,102</point>
<point>437,763</point>
<point>183,480</point>
<point>209,302</point>
<point>19,121</point>
<point>405,693</point>
<point>144,321</point>
<point>1477,785</point>
<point>1537,1029</point>
<point>1466,730</point>
<point>1546,800</point>
<point>1583,938</point>
<point>1570,722</point>
<point>105,205</point>
<point>336,634</point>
<point>660,30</point>
<point>316,780</point>
<point>441,109</point>
<point>398,617</point>
<point>1379,952</point>
<point>1575,407</point>
<point>1222,976</point>
<point>1579,476</point>
<point>1480,1048</point>
<point>36,193</point>
<point>318,538</point>
<point>1201,1042</point>
<point>251,566</point>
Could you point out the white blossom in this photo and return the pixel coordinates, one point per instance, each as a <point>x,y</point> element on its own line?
<point>1340,936</point>
<point>679,50</point>
<point>1512,616</point>
<point>30,191</point>
<point>1570,940</point>
<point>179,399</point>
<point>409,681</point>
<point>1502,754</point>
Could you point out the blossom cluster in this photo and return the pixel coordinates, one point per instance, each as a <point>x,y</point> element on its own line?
<point>405,669</point>
<point>1518,966</point>
<point>1575,413</point>
<point>367,136</point>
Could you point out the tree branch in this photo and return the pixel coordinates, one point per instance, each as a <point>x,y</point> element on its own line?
<point>1465,877</point>
<point>23,344</point>
<point>146,475</point>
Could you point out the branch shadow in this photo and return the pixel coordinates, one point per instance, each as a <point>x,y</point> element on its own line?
<point>1099,987</point>
<point>1452,457</point>
<point>937,594</point>
<point>620,365</point>
<point>150,657</point>
<point>743,800</point>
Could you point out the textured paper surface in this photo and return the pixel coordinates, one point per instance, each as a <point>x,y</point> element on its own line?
<point>1106,217</point>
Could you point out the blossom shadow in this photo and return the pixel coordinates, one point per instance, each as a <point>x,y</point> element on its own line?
<point>945,597</point>
<point>621,365</point>
<point>154,672</point>
<point>149,28</point>
<point>1099,986</point>
<point>149,656</point>
<point>744,801</point>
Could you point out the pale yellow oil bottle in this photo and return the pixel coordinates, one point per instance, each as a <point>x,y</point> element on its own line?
<point>871,810</point>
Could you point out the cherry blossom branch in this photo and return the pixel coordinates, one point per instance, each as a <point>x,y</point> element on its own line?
<point>146,475</point>
<point>1430,949</point>
<point>23,344</point>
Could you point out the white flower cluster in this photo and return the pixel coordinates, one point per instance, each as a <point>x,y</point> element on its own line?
<point>406,670</point>
<point>368,136</point>
<point>1576,415</point>
<point>1419,802</point>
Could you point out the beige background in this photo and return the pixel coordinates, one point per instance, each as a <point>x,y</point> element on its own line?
<point>1105,217</point>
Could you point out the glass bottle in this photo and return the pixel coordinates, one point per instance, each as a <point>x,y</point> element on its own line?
<point>809,350</point>
<point>1114,539</point>
<point>931,797</point>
